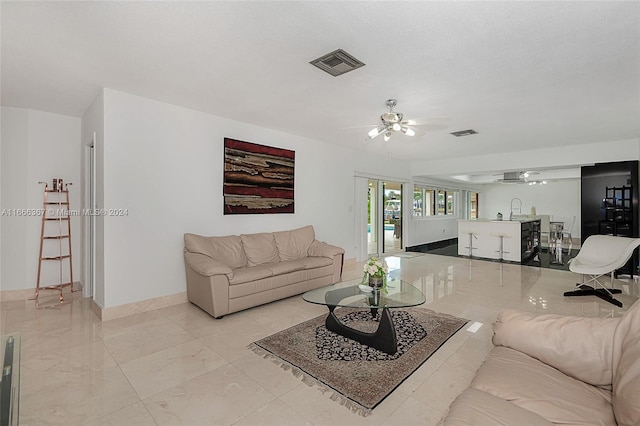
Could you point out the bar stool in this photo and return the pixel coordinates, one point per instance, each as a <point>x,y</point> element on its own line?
<point>501,249</point>
<point>472,235</point>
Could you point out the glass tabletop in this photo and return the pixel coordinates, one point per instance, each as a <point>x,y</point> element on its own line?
<point>10,383</point>
<point>396,294</point>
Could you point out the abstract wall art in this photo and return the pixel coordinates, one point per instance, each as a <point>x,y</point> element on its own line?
<point>258,179</point>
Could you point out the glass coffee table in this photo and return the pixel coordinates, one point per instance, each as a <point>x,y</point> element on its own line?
<point>396,294</point>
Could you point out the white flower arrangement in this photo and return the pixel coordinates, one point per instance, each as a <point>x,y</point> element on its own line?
<point>374,268</point>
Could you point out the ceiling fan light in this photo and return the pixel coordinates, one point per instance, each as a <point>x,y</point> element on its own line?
<point>396,127</point>
<point>407,131</point>
<point>374,132</point>
<point>387,136</point>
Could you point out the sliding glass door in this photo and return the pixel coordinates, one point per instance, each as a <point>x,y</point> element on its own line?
<point>392,223</point>
<point>384,217</point>
<point>373,215</point>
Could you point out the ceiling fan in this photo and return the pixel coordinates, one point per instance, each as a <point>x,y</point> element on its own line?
<point>391,122</point>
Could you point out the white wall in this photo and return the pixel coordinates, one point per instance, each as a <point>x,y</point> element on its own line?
<point>14,195</point>
<point>36,146</point>
<point>1,204</point>
<point>164,164</point>
<point>560,199</point>
<point>429,230</point>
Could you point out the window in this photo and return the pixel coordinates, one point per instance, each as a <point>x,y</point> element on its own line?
<point>473,205</point>
<point>429,201</point>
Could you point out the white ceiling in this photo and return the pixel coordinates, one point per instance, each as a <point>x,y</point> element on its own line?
<point>523,74</point>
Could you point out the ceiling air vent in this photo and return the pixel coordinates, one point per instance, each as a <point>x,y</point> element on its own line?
<point>464,133</point>
<point>512,177</point>
<point>337,63</point>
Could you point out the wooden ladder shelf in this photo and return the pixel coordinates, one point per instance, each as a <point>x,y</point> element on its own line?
<point>56,210</point>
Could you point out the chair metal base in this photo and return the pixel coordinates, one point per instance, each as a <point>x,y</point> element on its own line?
<point>603,293</point>
<point>598,289</point>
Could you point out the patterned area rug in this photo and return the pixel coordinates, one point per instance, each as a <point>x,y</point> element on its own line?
<point>359,377</point>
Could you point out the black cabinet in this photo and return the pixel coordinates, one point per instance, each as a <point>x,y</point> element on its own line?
<point>609,203</point>
<point>530,239</point>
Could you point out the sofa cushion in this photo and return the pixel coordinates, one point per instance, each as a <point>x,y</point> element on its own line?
<point>250,273</point>
<point>280,268</point>
<point>294,244</point>
<point>626,379</point>
<point>260,248</point>
<point>540,388</point>
<point>227,250</point>
<point>474,407</point>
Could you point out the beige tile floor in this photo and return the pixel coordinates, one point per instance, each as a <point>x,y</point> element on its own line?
<point>180,366</point>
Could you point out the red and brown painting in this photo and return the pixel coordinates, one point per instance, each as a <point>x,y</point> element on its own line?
<point>258,179</point>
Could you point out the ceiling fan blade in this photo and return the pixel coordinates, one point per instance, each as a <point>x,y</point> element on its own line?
<point>426,121</point>
<point>419,132</point>
<point>365,126</point>
<point>431,127</point>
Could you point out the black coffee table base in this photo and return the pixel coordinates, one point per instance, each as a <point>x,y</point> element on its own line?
<point>383,339</point>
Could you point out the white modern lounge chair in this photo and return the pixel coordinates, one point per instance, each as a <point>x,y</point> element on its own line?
<point>601,255</point>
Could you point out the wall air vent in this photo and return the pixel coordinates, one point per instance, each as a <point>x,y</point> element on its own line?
<point>464,133</point>
<point>337,62</point>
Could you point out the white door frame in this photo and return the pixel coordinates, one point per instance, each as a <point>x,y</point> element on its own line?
<point>89,219</point>
<point>361,200</point>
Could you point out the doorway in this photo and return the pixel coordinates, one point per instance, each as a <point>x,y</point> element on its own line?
<point>89,219</point>
<point>384,217</point>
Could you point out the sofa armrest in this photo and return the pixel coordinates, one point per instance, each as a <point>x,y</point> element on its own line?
<point>321,249</point>
<point>579,347</point>
<point>206,266</point>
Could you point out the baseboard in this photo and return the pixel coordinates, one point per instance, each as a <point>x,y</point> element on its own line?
<point>115,312</point>
<point>13,295</point>
<point>104,314</point>
<point>28,293</point>
<point>97,309</point>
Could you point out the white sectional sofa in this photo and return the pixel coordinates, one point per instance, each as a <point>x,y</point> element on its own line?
<point>554,369</point>
<point>231,273</point>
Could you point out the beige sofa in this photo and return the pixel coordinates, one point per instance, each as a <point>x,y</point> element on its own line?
<point>231,273</point>
<point>553,369</point>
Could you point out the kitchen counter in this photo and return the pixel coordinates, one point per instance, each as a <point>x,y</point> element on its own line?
<point>520,220</point>
<point>515,240</point>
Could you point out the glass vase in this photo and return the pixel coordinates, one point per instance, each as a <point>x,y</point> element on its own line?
<point>375,281</point>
